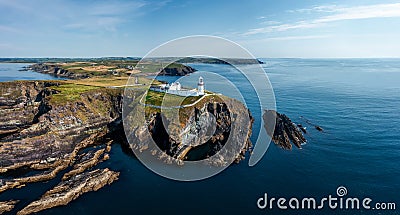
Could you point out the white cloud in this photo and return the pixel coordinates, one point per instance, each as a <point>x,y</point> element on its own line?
<point>116,8</point>
<point>364,12</point>
<point>285,38</point>
<point>337,14</point>
<point>309,37</point>
<point>270,22</point>
<point>283,27</point>
<point>320,8</point>
<point>97,23</point>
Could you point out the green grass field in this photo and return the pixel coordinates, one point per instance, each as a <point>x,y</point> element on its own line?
<point>69,92</point>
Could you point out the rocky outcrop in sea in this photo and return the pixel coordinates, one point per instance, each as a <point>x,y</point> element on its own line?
<point>285,131</point>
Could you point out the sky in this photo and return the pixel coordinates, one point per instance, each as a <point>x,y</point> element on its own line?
<point>267,28</point>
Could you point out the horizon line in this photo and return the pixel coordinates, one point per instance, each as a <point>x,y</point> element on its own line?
<point>391,57</point>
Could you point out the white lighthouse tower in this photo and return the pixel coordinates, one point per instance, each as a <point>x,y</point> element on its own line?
<point>200,86</point>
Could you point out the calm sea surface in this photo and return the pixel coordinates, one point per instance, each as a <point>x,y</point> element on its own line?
<point>356,102</point>
<point>10,72</point>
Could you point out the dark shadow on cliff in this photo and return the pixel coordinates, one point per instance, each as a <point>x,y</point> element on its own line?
<point>117,135</point>
<point>198,123</point>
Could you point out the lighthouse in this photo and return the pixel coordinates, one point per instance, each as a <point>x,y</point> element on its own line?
<point>200,86</point>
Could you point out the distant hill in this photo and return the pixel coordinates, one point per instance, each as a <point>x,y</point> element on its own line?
<point>132,59</point>
<point>61,60</point>
<point>220,61</point>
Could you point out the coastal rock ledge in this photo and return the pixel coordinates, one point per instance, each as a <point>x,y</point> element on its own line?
<point>71,189</point>
<point>7,206</point>
<point>49,126</point>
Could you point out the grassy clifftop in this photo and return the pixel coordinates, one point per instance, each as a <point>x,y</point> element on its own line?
<point>69,92</point>
<point>109,68</point>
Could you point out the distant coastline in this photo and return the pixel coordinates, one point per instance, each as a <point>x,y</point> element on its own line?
<point>134,59</point>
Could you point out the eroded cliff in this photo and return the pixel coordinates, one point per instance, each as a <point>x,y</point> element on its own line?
<point>46,131</point>
<point>55,128</point>
<point>198,132</point>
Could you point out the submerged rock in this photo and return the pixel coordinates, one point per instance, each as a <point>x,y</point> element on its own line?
<point>302,128</point>
<point>317,127</point>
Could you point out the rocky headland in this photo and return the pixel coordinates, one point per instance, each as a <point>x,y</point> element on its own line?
<point>54,69</point>
<point>55,130</point>
<point>92,69</point>
<point>196,135</point>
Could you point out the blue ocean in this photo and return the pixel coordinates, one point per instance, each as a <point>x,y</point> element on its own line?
<point>355,101</point>
<point>11,72</point>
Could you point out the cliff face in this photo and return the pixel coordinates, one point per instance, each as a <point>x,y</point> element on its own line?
<point>177,71</point>
<point>209,127</point>
<point>20,105</point>
<point>34,129</point>
<point>53,69</point>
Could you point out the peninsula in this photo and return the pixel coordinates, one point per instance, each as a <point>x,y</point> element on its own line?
<point>61,131</point>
